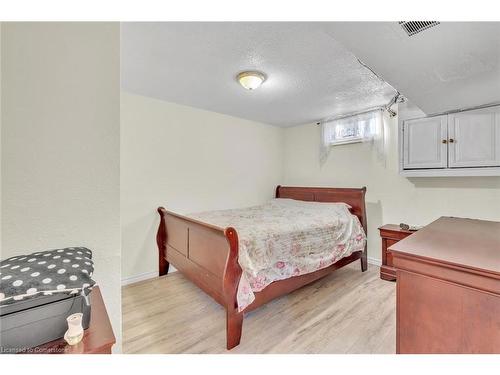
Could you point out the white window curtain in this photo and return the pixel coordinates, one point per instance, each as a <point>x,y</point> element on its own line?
<point>367,127</point>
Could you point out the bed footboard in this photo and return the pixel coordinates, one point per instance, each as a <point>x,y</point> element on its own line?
<point>208,256</point>
<point>161,241</point>
<point>231,280</point>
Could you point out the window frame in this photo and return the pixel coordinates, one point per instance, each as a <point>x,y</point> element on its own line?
<point>360,127</point>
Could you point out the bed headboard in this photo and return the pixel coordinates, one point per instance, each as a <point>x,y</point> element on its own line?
<point>353,197</point>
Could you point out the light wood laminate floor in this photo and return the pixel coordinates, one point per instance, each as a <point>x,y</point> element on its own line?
<point>346,312</point>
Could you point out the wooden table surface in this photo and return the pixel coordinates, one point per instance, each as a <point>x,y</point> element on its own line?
<point>395,228</point>
<point>97,339</point>
<point>469,243</point>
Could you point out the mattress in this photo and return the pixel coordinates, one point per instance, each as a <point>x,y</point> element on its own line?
<point>284,238</point>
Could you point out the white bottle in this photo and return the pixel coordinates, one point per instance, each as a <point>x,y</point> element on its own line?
<point>74,334</point>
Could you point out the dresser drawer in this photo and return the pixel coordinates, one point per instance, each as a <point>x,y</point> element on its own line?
<point>390,234</point>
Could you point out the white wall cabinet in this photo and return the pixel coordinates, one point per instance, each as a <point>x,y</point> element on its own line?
<point>423,143</point>
<point>460,144</point>
<point>474,138</point>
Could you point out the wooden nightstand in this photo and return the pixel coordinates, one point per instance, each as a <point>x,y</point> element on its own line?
<point>97,339</point>
<point>390,233</point>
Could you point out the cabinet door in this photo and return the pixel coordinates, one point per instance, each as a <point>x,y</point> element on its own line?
<point>425,143</point>
<point>474,138</point>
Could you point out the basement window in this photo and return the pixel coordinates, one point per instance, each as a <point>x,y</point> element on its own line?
<point>364,127</point>
<point>353,129</point>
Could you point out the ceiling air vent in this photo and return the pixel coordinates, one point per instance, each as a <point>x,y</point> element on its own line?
<point>415,27</point>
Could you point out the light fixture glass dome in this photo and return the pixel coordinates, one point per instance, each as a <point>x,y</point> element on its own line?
<point>251,80</point>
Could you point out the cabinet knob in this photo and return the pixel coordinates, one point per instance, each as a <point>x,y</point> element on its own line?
<point>444,141</point>
<point>452,140</point>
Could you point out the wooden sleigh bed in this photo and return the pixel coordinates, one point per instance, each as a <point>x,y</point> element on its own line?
<point>208,255</point>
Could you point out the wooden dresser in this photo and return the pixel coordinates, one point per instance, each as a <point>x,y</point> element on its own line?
<point>448,288</point>
<point>390,234</point>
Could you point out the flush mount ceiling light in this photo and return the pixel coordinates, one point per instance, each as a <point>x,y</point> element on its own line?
<point>251,80</point>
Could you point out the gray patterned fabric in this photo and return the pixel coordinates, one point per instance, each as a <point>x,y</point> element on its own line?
<point>67,270</point>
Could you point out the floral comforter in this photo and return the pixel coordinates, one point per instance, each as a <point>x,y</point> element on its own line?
<point>285,238</point>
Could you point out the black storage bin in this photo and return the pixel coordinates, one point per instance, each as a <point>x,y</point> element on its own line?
<point>29,323</point>
<point>38,291</point>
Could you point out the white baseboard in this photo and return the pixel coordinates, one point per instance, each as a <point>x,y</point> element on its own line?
<point>374,261</point>
<point>140,277</point>
<point>143,276</point>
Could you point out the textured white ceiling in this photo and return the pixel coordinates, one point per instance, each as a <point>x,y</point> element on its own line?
<point>450,66</point>
<point>310,75</point>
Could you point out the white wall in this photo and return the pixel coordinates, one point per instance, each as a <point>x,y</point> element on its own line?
<point>187,160</point>
<point>390,197</point>
<point>61,146</point>
<point>0,140</point>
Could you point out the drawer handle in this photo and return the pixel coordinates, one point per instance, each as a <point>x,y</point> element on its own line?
<point>452,140</point>
<point>444,141</point>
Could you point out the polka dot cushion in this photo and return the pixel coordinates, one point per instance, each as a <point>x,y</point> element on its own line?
<point>67,270</point>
